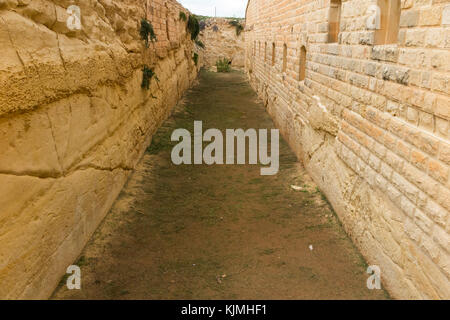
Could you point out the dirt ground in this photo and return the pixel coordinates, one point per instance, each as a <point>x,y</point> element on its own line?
<point>220,232</point>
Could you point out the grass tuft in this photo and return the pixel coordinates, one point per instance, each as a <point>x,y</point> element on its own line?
<point>147,75</point>
<point>200,44</point>
<point>223,65</point>
<point>147,31</point>
<point>239,27</point>
<point>195,58</point>
<point>193,27</point>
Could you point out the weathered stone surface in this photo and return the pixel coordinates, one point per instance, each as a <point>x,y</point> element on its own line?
<point>74,121</point>
<point>222,41</point>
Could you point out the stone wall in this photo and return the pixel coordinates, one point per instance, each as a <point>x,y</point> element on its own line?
<point>74,122</point>
<point>222,41</point>
<point>370,122</point>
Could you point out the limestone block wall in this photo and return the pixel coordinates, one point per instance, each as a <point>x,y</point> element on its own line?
<point>74,122</point>
<point>370,121</point>
<point>221,41</point>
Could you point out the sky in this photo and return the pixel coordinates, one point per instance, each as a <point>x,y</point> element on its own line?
<point>225,8</point>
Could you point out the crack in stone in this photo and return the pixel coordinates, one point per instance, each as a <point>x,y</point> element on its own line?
<point>60,53</point>
<point>58,175</point>
<point>13,45</point>
<point>54,142</point>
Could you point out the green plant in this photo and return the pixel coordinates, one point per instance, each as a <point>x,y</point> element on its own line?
<point>147,75</point>
<point>183,16</point>
<point>202,18</point>
<point>195,58</point>
<point>200,44</point>
<point>147,31</point>
<point>223,65</point>
<point>193,27</point>
<point>239,27</point>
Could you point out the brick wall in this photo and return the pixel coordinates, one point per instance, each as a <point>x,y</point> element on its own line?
<point>370,122</point>
<point>169,30</point>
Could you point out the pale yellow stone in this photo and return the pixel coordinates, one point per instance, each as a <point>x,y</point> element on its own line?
<point>366,162</point>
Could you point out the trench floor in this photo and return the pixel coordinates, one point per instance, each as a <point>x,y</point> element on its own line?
<point>220,232</point>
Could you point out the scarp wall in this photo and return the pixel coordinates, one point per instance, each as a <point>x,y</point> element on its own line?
<point>369,120</point>
<point>74,121</point>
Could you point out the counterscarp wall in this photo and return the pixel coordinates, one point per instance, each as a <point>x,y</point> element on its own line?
<point>74,121</point>
<point>222,41</point>
<point>360,89</point>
